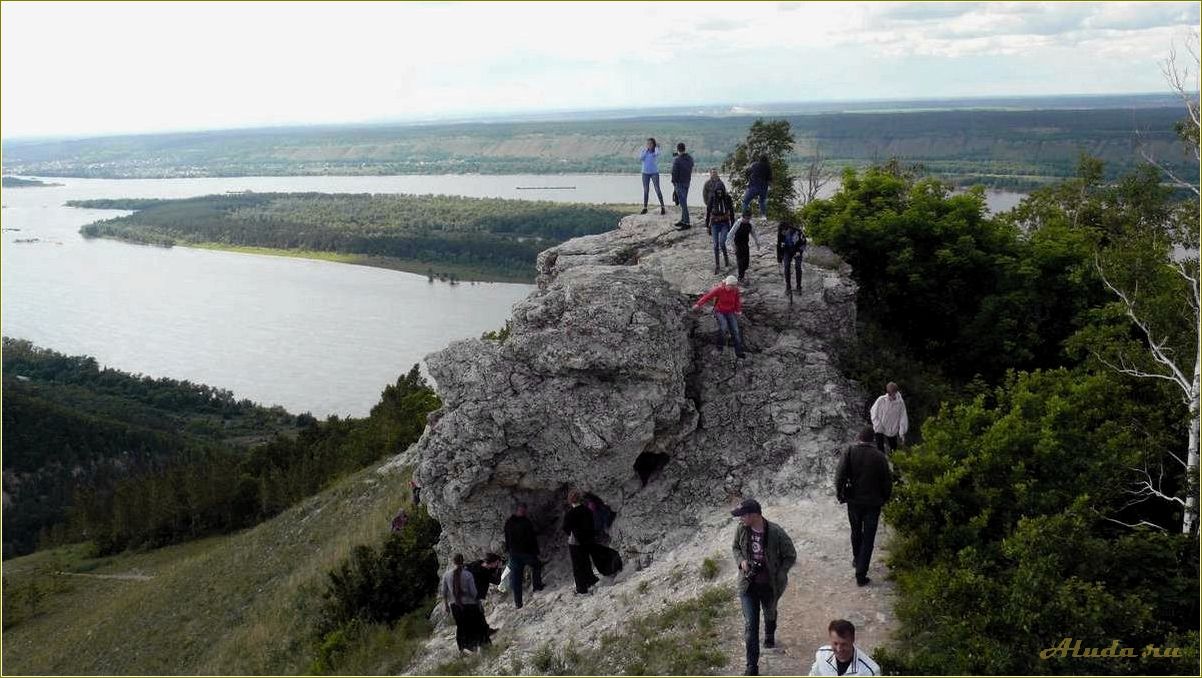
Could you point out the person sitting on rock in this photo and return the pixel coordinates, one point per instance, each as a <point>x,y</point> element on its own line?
<point>739,236</point>
<point>790,246</point>
<point>841,657</point>
<point>727,305</point>
<point>578,524</point>
<point>719,214</point>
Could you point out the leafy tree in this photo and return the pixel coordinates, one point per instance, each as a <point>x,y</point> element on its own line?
<point>773,139</point>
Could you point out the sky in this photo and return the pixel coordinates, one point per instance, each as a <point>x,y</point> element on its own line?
<point>103,68</point>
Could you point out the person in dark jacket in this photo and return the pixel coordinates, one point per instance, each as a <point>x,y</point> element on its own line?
<point>790,246</point>
<point>739,237</point>
<point>707,191</point>
<point>521,543</point>
<point>864,481</point>
<point>578,524</point>
<point>682,174</point>
<point>759,175</point>
<point>485,572</point>
<point>719,217</point>
<point>764,554</point>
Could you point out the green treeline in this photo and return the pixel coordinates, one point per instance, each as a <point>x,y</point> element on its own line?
<point>1023,517</point>
<point>123,461</point>
<point>499,238</point>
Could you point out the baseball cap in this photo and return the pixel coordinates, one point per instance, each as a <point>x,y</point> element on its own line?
<point>748,506</point>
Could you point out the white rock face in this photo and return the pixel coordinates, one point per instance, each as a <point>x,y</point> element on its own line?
<point>606,362</point>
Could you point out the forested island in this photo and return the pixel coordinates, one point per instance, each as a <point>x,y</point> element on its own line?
<point>18,182</point>
<point>1015,144</point>
<point>485,239</point>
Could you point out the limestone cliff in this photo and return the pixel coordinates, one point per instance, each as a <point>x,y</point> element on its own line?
<point>607,368</point>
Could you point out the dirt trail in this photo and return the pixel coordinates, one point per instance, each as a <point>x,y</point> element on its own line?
<point>822,587</point>
<point>129,576</point>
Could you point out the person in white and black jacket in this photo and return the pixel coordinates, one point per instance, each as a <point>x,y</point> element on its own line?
<point>841,657</point>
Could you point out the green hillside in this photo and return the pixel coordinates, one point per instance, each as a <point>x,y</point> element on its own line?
<point>236,604</point>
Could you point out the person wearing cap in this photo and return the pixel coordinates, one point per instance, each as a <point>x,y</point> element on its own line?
<point>863,481</point>
<point>727,305</point>
<point>764,553</point>
<point>739,236</point>
<point>841,657</point>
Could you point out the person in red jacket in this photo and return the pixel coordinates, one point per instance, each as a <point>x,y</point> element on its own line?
<point>727,306</point>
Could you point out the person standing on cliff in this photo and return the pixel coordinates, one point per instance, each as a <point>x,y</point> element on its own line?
<point>863,481</point>
<point>889,420</point>
<point>707,191</point>
<point>521,543</point>
<point>764,553</point>
<point>790,246</point>
<point>727,305</point>
<point>719,216</point>
<point>759,176</point>
<point>682,175</point>
<point>578,524</point>
<point>739,236</point>
<point>650,159</point>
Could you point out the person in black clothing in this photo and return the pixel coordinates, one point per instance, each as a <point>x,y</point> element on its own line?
<point>739,236</point>
<point>790,246</point>
<point>578,524</point>
<point>719,217</point>
<point>864,482</point>
<point>521,543</point>
<point>682,174</point>
<point>485,572</point>
<point>759,175</point>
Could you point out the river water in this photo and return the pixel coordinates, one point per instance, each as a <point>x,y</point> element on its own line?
<point>309,335</point>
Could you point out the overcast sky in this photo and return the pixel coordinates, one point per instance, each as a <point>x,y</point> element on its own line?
<point>98,68</point>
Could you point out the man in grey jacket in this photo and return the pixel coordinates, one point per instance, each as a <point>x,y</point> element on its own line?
<point>764,554</point>
<point>864,482</point>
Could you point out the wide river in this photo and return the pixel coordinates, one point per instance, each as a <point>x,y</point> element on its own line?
<point>309,335</point>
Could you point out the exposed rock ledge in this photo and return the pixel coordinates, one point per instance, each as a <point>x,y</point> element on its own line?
<point>605,362</point>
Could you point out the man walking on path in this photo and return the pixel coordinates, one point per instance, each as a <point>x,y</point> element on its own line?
<point>521,543</point>
<point>727,305</point>
<point>889,420</point>
<point>863,481</point>
<point>739,236</point>
<point>578,524</point>
<point>764,554</point>
<point>682,174</point>
<point>759,175</point>
<point>841,657</point>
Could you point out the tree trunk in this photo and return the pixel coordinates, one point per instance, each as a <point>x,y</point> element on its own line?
<point>1191,460</point>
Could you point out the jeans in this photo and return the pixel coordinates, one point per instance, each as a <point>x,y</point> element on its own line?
<point>757,598</point>
<point>682,194</point>
<point>720,231</point>
<point>518,562</point>
<point>792,261</point>
<point>864,519</point>
<point>883,441</point>
<point>649,179</point>
<point>728,322</point>
<point>753,191</point>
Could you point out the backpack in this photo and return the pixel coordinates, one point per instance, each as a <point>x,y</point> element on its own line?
<point>795,239</point>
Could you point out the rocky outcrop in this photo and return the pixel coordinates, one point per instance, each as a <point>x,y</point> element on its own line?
<point>606,368</point>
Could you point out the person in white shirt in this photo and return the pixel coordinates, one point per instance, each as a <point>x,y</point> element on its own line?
<point>841,657</point>
<point>889,421</point>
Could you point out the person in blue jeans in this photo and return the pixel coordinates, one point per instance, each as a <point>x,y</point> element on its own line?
<point>719,217</point>
<point>759,175</point>
<point>650,160</point>
<point>682,174</point>
<point>521,543</point>
<point>764,554</point>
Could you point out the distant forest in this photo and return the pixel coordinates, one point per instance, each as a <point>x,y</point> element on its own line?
<point>485,239</point>
<point>18,182</point>
<point>119,460</point>
<point>1002,148</point>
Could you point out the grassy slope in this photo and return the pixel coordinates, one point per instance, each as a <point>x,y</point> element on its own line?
<point>237,604</point>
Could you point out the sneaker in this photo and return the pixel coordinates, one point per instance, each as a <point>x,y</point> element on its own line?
<point>769,642</point>
<point>644,211</point>
<point>863,581</point>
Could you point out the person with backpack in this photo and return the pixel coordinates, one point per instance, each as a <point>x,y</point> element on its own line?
<point>578,524</point>
<point>521,543</point>
<point>790,246</point>
<point>682,175</point>
<point>739,236</point>
<point>759,175</point>
<point>650,159</point>
<point>727,305</point>
<point>719,216</point>
<point>459,599</point>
